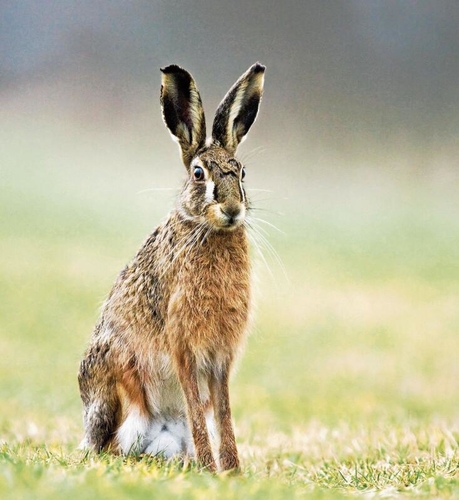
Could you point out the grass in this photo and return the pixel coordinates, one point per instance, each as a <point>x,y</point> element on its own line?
<point>349,384</point>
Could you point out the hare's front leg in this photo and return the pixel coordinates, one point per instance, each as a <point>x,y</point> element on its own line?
<point>188,377</point>
<point>219,393</point>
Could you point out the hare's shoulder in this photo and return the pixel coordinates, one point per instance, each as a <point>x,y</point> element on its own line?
<point>137,301</point>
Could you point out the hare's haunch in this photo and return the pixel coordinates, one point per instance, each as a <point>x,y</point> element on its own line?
<point>155,375</point>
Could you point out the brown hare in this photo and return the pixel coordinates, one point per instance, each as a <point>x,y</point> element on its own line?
<point>158,364</point>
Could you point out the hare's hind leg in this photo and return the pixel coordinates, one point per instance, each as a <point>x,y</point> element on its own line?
<point>136,418</point>
<point>101,409</point>
<point>219,394</point>
<point>100,420</point>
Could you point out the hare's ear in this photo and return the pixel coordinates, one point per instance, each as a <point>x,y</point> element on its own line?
<point>182,110</point>
<point>238,110</point>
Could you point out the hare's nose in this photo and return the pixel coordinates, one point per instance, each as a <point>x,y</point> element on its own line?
<point>231,212</point>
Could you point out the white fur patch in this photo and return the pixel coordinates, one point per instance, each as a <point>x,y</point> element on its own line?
<point>169,437</point>
<point>84,445</point>
<point>241,215</point>
<point>165,444</point>
<point>210,186</point>
<point>242,192</point>
<point>131,433</point>
<point>212,429</point>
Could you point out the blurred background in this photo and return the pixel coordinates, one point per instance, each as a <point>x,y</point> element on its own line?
<point>355,148</point>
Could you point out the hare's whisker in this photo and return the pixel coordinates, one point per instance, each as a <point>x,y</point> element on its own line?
<point>260,252</point>
<point>268,199</point>
<point>271,250</point>
<point>254,224</point>
<point>204,238</point>
<point>191,237</point>
<point>252,153</point>
<point>259,209</point>
<point>157,189</point>
<point>269,224</point>
<point>196,239</point>
<point>187,239</point>
<point>266,242</point>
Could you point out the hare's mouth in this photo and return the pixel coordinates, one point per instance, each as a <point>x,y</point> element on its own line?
<point>227,218</point>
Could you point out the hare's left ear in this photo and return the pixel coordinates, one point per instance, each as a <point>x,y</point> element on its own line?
<point>238,110</point>
<point>182,110</point>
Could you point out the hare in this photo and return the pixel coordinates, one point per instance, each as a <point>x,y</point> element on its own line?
<point>160,356</point>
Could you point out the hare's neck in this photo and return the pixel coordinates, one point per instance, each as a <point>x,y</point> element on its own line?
<point>211,246</point>
<point>221,242</point>
<point>219,258</point>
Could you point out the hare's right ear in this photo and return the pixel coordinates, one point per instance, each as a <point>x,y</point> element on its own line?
<point>182,110</point>
<point>239,108</point>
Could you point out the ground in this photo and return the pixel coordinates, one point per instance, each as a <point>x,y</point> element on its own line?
<point>349,383</point>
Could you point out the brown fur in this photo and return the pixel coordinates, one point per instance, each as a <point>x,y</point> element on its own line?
<point>176,316</point>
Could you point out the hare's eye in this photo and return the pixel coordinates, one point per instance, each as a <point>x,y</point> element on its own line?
<point>198,174</point>
<point>243,173</point>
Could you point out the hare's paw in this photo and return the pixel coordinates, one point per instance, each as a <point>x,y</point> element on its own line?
<point>84,445</point>
<point>229,461</point>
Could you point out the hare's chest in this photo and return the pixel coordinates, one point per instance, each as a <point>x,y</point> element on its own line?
<point>210,307</point>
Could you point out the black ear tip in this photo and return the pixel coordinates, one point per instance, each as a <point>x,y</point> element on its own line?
<point>172,68</point>
<point>258,68</point>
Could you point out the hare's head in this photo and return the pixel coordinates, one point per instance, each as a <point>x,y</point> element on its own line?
<point>213,193</point>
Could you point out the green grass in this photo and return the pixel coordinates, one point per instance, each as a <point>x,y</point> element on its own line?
<point>350,382</point>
